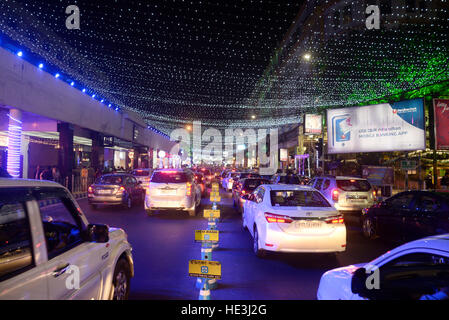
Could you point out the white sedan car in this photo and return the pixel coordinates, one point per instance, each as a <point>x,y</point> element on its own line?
<point>292,218</point>
<point>418,270</point>
<point>48,250</point>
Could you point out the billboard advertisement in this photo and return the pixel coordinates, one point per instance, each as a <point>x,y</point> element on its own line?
<point>378,176</point>
<point>397,126</point>
<point>313,123</point>
<point>441,116</point>
<point>283,154</point>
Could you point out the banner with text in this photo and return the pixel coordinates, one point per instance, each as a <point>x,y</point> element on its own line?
<point>383,127</point>
<point>441,116</point>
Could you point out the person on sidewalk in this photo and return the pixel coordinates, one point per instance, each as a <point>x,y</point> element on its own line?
<point>445,181</point>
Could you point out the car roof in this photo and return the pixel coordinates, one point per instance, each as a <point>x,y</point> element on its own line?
<point>437,242</point>
<point>276,187</point>
<point>173,169</point>
<point>12,182</point>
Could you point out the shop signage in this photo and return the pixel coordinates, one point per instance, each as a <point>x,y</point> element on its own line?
<point>441,116</point>
<point>313,123</point>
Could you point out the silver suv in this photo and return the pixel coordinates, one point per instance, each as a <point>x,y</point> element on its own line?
<point>174,189</point>
<point>347,194</point>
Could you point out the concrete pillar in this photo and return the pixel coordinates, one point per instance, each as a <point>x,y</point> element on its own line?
<point>66,157</point>
<point>97,154</point>
<point>136,159</point>
<point>14,143</point>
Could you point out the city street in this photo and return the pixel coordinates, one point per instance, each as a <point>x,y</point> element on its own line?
<point>164,243</point>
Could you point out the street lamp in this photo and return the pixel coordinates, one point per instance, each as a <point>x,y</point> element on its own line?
<point>307,56</point>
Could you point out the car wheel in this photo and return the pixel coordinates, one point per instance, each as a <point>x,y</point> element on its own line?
<point>192,212</point>
<point>149,212</point>
<point>257,251</point>
<point>128,202</point>
<point>368,228</point>
<point>121,280</point>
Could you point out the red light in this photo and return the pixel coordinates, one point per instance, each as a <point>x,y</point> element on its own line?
<point>269,244</point>
<point>168,171</point>
<point>189,188</point>
<point>335,195</point>
<point>243,191</point>
<point>277,218</point>
<point>337,220</point>
<point>90,190</point>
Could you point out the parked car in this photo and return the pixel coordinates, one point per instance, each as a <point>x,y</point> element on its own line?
<point>408,215</point>
<point>245,186</point>
<point>116,189</point>
<point>349,195</point>
<point>173,189</point>
<point>417,270</point>
<point>45,239</point>
<point>289,218</point>
<point>143,175</point>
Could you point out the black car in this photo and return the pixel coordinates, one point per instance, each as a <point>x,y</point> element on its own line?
<point>408,216</point>
<point>245,186</point>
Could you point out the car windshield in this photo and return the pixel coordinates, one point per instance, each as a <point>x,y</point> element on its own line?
<point>251,184</point>
<point>353,185</point>
<point>169,177</point>
<point>141,173</point>
<point>297,198</point>
<point>117,180</point>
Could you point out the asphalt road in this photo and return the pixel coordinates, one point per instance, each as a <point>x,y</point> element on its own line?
<point>164,243</point>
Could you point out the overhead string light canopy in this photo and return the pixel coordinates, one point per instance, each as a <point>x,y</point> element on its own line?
<point>231,64</point>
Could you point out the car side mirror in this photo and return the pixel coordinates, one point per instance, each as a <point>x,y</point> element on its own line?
<point>358,282</point>
<point>98,233</point>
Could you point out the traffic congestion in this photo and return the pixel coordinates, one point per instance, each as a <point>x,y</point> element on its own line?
<point>233,151</point>
<point>286,217</point>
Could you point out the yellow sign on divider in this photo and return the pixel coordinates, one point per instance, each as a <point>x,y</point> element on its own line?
<point>215,187</point>
<point>205,269</point>
<point>215,196</point>
<point>212,214</point>
<point>206,235</point>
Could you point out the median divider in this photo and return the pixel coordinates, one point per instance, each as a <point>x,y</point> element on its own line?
<point>206,270</point>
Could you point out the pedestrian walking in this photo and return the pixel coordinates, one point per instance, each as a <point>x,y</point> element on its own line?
<point>445,181</point>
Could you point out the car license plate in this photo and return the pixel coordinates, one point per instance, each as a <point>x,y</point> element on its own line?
<point>169,192</point>
<point>309,224</point>
<point>104,191</point>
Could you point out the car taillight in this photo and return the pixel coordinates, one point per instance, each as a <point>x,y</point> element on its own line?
<point>335,195</point>
<point>374,194</point>
<point>189,188</point>
<point>121,190</point>
<point>272,218</point>
<point>336,220</point>
<point>90,190</point>
<point>243,191</point>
